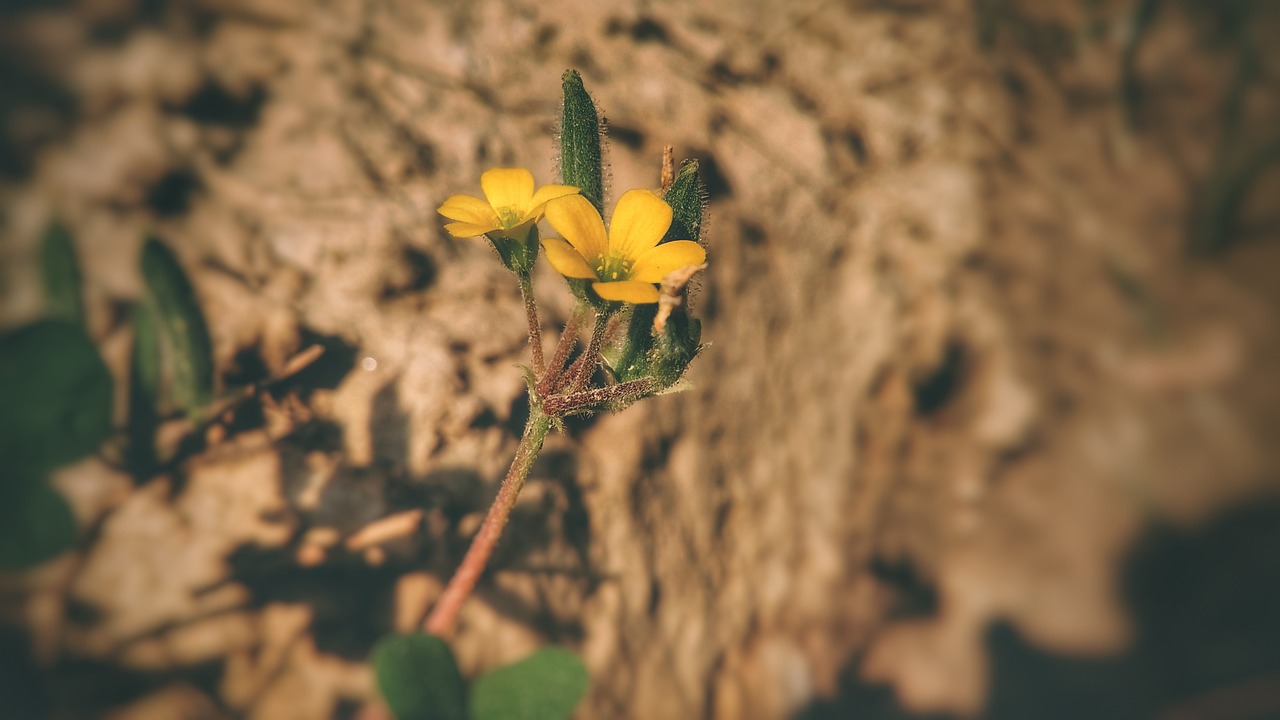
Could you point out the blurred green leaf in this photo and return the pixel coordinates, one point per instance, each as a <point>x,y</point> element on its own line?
<point>144,392</point>
<point>61,274</point>
<point>419,678</point>
<point>184,335</point>
<point>56,394</point>
<point>36,523</point>
<point>581,163</point>
<point>547,685</point>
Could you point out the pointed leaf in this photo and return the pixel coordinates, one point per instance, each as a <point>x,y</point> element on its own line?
<point>547,685</point>
<point>144,392</point>
<point>419,678</point>
<point>188,350</point>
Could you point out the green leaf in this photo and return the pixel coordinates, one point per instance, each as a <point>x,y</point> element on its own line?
<point>184,335</point>
<point>61,275</point>
<point>580,156</point>
<point>36,524</point>
<point>418,677</point>
<point>547,685</point>
<point>56,394</point>
<point>687,197</point>
<point>144,393</point>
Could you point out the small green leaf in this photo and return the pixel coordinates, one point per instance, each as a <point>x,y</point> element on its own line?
<point>56,394</point>
<point>581,164</point>
<point>184,335</point>
<point>547,685</point>
<point>36,523</point>
<point>418,677</point>
<point>686,196</point>
<point>61,275</point>
<point>144,393</point>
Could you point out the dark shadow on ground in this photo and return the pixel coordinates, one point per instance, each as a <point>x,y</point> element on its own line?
<point>1206,605</point>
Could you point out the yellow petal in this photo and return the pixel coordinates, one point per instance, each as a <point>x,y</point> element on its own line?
<point>466,230</point>
<point>507,187</point>
<point>574,217</point>
<point>545,194</point>
<point>639,222</point>
<point>628,291</point>
<point>469,209</point>
<point>654,264</point>
<point>566,260</point>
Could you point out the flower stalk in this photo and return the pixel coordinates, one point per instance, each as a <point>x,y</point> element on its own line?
<point>651,239</point>
<point>535,326</point>
<point>440,620</point>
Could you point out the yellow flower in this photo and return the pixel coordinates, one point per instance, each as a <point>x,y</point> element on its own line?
<point>626,263</point>
<point>511,205</point>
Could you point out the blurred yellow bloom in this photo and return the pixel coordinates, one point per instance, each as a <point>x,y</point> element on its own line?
<point>627,262</point>
<point>509,208</point>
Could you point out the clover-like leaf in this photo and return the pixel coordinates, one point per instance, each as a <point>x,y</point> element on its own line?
<point>547,685</point>
<point>419,678</point>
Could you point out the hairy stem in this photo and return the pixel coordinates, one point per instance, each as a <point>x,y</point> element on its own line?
<point>535,327</point>
<point>440,620</point>
<point>580,372</point>
<point>559,404</point>
<point>567,339</point>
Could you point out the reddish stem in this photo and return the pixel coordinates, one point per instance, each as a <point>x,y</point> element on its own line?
<point>440,620</point>
<point>535,327</point>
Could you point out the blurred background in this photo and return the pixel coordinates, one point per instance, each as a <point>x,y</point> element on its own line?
<point>986,425</point>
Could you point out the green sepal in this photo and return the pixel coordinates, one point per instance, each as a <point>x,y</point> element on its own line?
<point>61,273</point>
<point>627,356</point>
<point>688,198</point>
<point>581,159</point>
<point>184,334</point>
<point>518,254</point>
<point>675,348</point>
<point>642,353</point>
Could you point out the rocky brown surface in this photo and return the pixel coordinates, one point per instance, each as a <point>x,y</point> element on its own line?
<point>959,359</point>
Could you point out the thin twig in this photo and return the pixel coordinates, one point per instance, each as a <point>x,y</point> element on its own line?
<point>440,620</point>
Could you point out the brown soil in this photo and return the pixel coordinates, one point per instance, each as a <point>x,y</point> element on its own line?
<point>969,410</point>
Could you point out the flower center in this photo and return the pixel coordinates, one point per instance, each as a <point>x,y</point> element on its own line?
<point>509,217</point>
<point>614,267</point>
